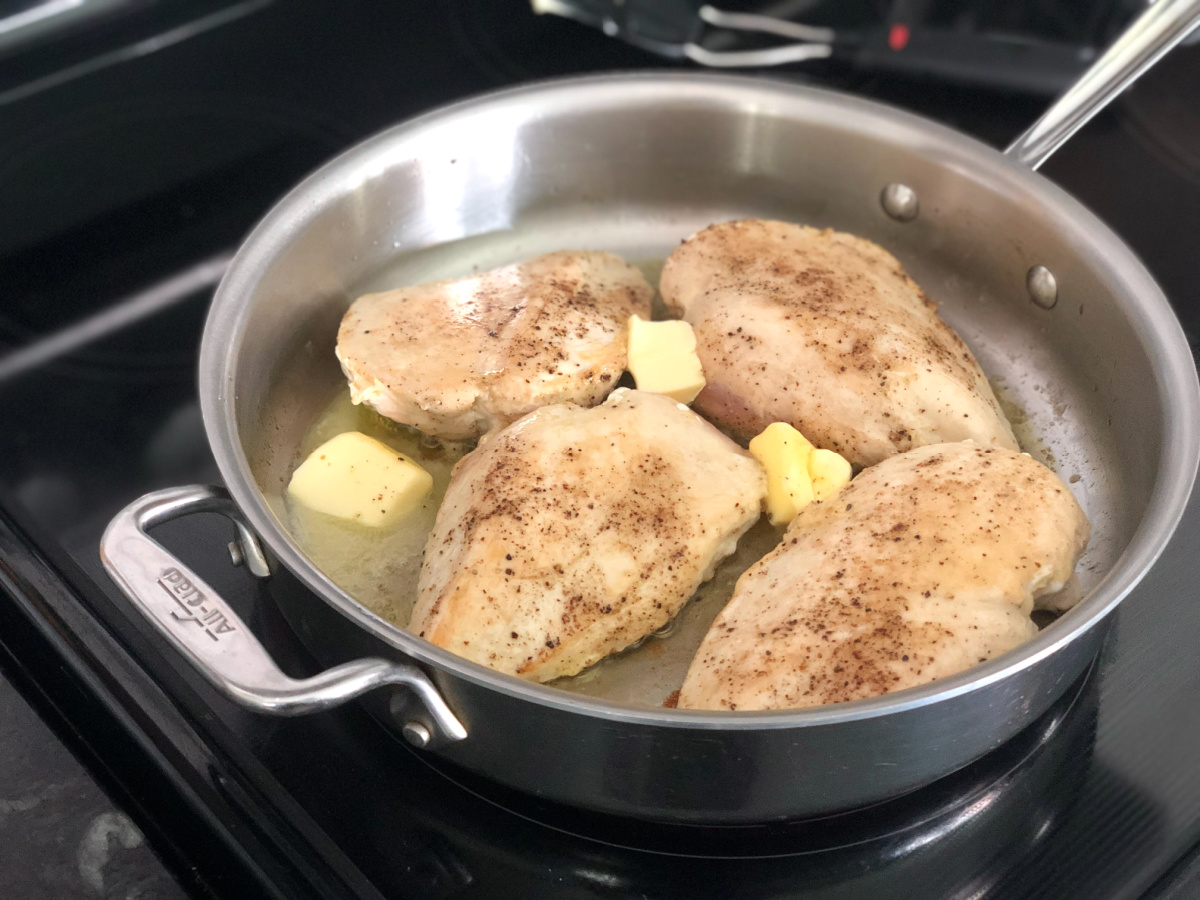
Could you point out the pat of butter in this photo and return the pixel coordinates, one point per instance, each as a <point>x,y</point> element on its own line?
<point>356,477</point>
<point>663,360</point>
<point>797,472</point>
<point>830,472</point>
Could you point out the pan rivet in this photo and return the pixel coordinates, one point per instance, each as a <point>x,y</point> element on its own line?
<point>235,553</point>
<point>1042,286</point>
<point>416,734</point>
<point>900,202</point>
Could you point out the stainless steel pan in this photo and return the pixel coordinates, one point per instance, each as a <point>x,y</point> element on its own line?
<point>1050,300</point>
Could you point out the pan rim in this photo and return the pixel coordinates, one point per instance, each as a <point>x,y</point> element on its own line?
<point>1150,316</point>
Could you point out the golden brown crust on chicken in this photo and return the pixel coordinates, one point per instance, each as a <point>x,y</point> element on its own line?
<point>458,358</point>
<point>574,532</point>
<point>825,331</point>
<point>923,566</point>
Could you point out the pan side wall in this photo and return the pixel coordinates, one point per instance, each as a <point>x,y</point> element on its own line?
<point>704,776</point>
<point>633,166</point>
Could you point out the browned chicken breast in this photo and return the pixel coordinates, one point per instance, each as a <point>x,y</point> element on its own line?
<point>574,532</point>
<point>923,566</point>
<point>825,331</point>
<point>458,358</point>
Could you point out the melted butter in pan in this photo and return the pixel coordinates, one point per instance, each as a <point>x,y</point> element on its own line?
<point>380,568</point>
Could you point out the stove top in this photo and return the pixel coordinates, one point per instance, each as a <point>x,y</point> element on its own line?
<point>172,153</point>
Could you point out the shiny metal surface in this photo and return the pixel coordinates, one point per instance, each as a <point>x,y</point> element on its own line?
<point>1042,286</point>
<point>216,641</point>
<point>747,59</point>
<point>813,43</point>
<point>738,21</point>
<point>1103,383</point>
<point>416,734</point>
<point>1163,25</point>
<point>900,202</point>
<point>49,18</point>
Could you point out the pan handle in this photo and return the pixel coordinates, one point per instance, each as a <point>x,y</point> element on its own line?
<point>1152,34</point>
<point>206,630</point>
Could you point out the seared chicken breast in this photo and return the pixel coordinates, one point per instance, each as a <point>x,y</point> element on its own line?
<point>458,358</point>
<point>923,566</point>
<point>574,532</point>
<point>825,331</point>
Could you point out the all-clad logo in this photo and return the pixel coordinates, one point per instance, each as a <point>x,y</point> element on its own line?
<point>193,608</point>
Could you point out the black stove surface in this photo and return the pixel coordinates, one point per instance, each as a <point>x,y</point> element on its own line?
<point>101,306</point>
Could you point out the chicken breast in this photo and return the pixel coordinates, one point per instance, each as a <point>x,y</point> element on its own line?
<point>825,331</point>
<point>923,566</point>
<point>574,532</point>
<point>458,358</point>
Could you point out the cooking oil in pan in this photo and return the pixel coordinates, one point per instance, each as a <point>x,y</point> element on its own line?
<point>380,567</point>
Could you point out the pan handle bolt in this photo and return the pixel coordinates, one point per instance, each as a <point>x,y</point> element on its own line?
<point>900,202</point>
<point>416,734</point>
<point>1042,287</point>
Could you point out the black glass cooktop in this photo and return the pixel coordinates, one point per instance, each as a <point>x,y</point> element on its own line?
<point>174,153</point>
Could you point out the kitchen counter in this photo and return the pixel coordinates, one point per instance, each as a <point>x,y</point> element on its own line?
<point>60,834</point>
